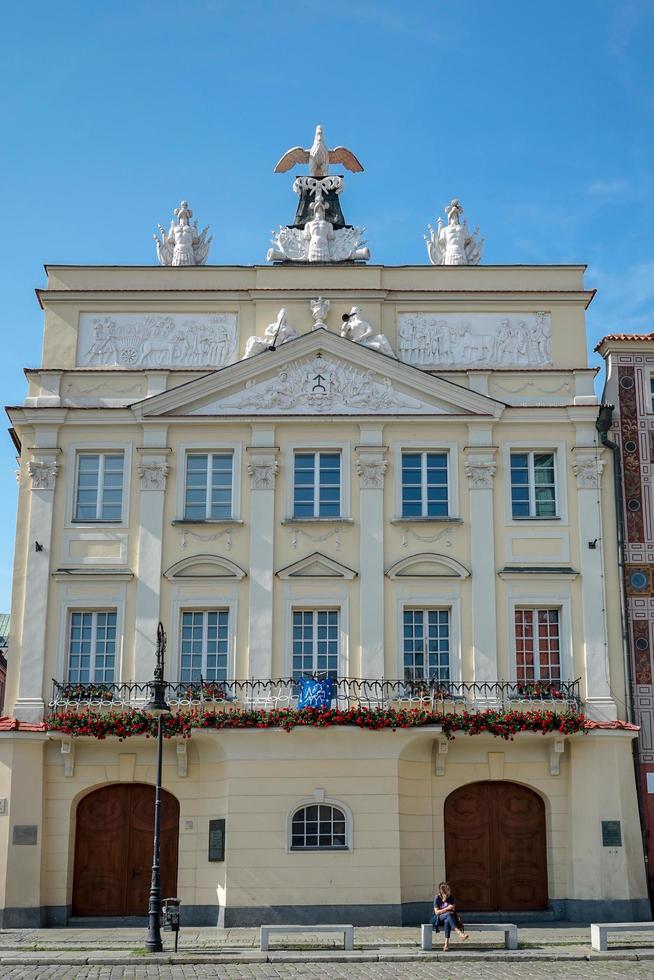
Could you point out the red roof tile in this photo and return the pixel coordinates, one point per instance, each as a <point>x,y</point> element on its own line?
<point>649,337</point>
<point>14,725</point>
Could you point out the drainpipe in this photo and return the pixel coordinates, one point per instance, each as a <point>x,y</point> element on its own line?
<point>603,425</point>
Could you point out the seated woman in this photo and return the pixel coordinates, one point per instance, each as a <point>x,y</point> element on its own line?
<point>445,914</point>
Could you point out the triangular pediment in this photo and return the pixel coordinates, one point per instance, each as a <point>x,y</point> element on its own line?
<point>319,373</point>
<point>316,566</point>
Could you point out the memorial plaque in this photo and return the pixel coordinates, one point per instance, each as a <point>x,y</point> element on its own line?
<point>24,833</point>
<point>217,840</point>
<point>611,833</point>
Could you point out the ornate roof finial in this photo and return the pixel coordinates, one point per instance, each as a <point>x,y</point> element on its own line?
<point>318,157</point>
<point>453,244</point>
<point>183,244</point>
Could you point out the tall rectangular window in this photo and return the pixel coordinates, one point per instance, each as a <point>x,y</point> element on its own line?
<point>533,485</point>
<point>537,645</point>
<point>651,393</point>
<point>424,485</point>
<point>315,642</point>
<point>99,487</point>
<point>426,640</point>
<point>317,485</point>
<point>92,647</point>
<point>208,491</point>
<point>204,645</point>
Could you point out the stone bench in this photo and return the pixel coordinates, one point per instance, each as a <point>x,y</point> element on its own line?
<point>265,932</point>
<point>599,931</point>
<point>509,929</point>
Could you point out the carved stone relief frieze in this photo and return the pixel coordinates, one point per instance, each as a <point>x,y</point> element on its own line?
<point>157,340</point>
<point>460,340</point>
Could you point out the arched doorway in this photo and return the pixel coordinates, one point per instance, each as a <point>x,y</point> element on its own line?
<point>113,849</point>
<point>495,847</point>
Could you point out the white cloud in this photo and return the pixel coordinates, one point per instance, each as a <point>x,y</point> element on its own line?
<point>608,189</point>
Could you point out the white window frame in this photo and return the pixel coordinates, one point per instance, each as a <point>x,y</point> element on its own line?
<point>91,449</point>
<point>449,601</point>
<point>549,607</point>
<point>296,599</point>
<point>187,600</point>
<point>318,447</point>
<point>204,612</point>
<point>219,448</point>
<point>94,613</point>
<point>543,600</point>
<point>452,451</point>
<point>560,483</point>
<point>78,602</point>
<point>319,799</point>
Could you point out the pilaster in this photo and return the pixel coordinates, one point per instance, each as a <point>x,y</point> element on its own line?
<point>587,466</point>
<point>262,466</point>
<point>480,467</point>
<point>371,467</point>
<point>42,467</point>
<point>153,468</point>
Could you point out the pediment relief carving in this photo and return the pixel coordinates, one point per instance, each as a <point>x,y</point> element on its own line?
<point>427,566</point>
<point>317,566</point>
<point>204,567</point>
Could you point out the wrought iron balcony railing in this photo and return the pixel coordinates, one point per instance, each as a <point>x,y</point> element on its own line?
<point>441,696</point>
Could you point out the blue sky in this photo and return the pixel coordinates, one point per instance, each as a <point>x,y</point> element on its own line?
<point>538,116</point>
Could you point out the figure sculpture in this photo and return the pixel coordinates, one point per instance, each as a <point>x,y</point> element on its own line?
<point>453,244</point>
<point>318,157</point>
<point>318,241</point>
<point>275,334</point>
<point>319,310</point>
<point>183,244</point>
<point>361,332</point>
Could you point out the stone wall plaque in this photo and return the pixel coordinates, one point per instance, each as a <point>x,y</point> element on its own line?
<point>611,833</point>
<point>24,833</point>
<point>217,839</point>
<point>157,340</point>
<point>461,340</point>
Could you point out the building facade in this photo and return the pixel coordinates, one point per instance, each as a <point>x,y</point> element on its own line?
<point>425,518</point>
<point>629,388</point>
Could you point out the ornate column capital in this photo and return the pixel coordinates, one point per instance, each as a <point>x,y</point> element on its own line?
<point>371,466</point>
<point>263,468</point>
<point>480,467</point>
<point>153,474</point>
<point>43,470</point>
<point>587,466</point>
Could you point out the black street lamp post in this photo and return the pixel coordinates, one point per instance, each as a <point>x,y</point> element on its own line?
<point>157,707</point>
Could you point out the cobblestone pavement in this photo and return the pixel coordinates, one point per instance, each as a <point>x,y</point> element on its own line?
<point>334,971</point>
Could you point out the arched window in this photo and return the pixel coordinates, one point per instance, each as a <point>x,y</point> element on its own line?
<point>319,826</point>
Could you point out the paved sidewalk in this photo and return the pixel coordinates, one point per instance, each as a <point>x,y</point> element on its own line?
<point>384,953</point>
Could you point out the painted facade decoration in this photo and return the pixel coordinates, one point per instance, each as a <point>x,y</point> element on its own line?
<point>156,340</point>
<point>458,340</point>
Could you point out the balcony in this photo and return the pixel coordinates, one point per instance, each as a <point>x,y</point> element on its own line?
<point>349,692</point>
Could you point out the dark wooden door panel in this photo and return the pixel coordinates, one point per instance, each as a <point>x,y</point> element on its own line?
<point>113,850</point>
<point>495,847</point>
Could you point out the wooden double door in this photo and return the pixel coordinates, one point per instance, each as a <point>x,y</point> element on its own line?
<point>113,850</point>
<point>495,847</point>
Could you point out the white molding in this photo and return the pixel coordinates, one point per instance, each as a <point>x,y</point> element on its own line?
<point>342,446</point>
<point>71,601</point>
<point>426,445</point>
<point>97,446</point>
<point>189,600</point>
<point>456,569</point>
<point>328,598</point>
<point>450,600</point>
<point>333,569</point>
<point>529,598</point>
<point>209,446</point>
<point>233,570</point>
<point>313,801</point>
<point>532,534</point>
<point>559,448</point>
<point>100,535</point>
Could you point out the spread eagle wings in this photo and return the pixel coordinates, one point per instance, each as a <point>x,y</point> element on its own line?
<point>342,155</point>
<point>290,158</point>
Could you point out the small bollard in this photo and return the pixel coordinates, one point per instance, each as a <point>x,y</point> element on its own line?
<point>170,911</point>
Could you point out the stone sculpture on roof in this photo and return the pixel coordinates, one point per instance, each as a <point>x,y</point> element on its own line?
<point>319,232</point>
<point>275,334</point>
<point>357,329</point>
<point>454,244</point>
<point>183,244</point>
